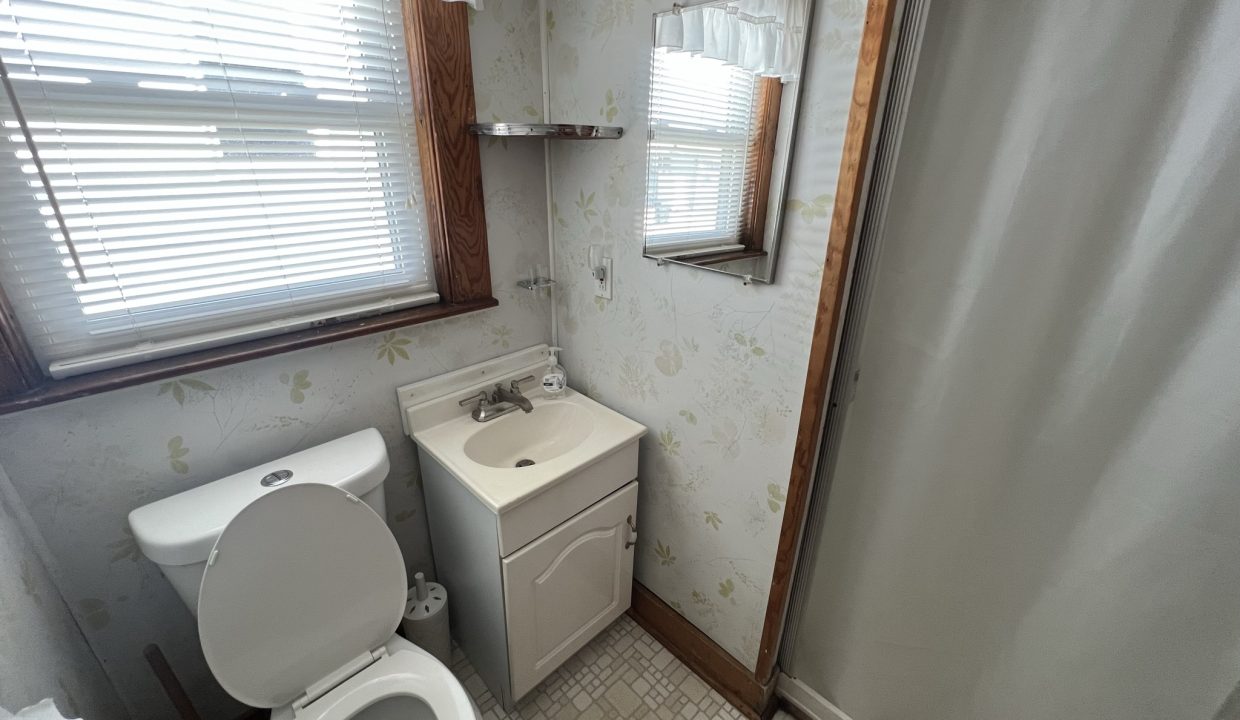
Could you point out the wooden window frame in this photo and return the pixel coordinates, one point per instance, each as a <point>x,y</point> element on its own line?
<point>761,159</point>
<point>437,39</point>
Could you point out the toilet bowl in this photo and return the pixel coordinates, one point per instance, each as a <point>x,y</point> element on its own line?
<point>409,684</point>
<point>302,591</point>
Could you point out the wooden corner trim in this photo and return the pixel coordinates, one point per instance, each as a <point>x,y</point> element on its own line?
<point>701,654</point>
<point>845,221</point>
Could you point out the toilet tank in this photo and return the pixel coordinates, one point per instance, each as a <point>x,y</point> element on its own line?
<point>178,532</point>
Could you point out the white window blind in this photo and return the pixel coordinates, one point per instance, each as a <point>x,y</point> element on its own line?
<point>225,170</point>
<point>701,117</point>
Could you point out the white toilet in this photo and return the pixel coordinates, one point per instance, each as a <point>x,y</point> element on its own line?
<point>299,587</point>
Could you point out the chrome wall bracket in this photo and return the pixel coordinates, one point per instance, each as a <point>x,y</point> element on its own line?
<point>535,284</point>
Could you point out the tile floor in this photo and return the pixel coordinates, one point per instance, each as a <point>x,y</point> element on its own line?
<point>622,673</point>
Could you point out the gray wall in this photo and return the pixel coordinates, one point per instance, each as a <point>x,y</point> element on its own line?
<point>42,652</point>
<point>81,466</point>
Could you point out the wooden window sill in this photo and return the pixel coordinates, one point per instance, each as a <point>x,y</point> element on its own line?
<point>54,391</point>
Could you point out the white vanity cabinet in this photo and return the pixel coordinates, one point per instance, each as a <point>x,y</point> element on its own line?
<point>532,512</point>
<point>518,616</point>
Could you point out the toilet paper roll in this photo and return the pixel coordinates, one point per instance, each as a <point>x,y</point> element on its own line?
<point>426,619</point>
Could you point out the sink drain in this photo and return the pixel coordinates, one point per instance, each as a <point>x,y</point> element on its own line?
<point>524,462</point>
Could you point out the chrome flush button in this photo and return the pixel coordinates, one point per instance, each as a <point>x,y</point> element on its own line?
<point>279,477</point>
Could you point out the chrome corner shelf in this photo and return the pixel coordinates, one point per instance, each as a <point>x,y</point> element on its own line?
<point>552,131</point>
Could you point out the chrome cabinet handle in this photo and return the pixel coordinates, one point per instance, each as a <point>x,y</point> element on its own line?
<point>632,534</point>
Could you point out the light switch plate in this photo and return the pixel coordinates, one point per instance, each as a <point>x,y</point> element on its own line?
<point>602,288</point>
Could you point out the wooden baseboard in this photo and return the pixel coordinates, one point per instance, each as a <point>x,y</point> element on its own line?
<point>691,646</point>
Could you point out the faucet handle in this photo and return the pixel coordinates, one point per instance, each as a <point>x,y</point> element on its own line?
<point>515,385</point>
<point>482,398</point>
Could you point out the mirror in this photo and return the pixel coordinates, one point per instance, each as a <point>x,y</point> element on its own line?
<point>724,88</point>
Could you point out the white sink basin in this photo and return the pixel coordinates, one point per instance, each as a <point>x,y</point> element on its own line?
<point>563,436</point>
<point>523,440</point>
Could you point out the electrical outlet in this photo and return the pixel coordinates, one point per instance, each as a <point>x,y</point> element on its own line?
<point>602,288</point>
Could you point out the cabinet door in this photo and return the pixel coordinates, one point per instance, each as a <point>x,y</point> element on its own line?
<point>565,587</point>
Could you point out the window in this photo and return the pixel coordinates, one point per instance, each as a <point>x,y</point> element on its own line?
<point>225,171</point>
<point>709,125</point>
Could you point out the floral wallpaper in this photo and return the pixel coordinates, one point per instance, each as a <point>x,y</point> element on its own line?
<point>81,466</point>
<point>42,651</point>
<point>714,368</point>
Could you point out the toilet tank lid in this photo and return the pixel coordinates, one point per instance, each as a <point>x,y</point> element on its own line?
<point>182,529</point>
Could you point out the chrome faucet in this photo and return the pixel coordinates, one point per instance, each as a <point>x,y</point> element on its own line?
<point>500,401</point>
<point>512,394</point>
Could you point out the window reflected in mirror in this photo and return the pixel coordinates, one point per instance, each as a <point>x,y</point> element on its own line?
<point>723,91</point>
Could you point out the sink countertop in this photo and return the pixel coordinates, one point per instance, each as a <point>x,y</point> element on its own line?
<point>501,488</point>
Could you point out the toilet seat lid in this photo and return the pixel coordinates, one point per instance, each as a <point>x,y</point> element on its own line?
<point>302,581</point>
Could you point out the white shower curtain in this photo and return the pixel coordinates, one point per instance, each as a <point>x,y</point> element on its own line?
<point>1035,510</point>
